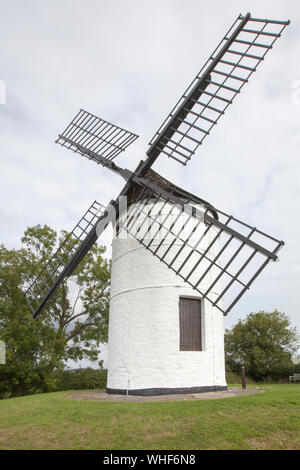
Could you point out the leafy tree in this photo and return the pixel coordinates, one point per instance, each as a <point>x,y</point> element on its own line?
<point>264,343</point>
<point>73,324</point>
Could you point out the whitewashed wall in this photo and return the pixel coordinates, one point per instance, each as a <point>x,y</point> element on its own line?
<point>143,349</point>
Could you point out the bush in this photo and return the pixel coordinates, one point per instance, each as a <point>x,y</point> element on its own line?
<point>79,379</point>
<point>66,379</point>
<point>236,378</point>
<point>281,372</point>
<point>20,379</point>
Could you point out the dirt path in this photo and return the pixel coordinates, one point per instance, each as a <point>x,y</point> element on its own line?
<point>88,395</point>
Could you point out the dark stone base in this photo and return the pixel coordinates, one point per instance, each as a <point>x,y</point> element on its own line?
<point>166,391</point>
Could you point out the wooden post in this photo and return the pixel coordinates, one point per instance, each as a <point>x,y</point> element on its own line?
<point>243,378</point>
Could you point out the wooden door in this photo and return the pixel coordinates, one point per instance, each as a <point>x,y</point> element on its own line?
<point>190,324</point>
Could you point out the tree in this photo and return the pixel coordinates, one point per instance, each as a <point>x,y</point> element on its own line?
<point>73,324</point>
<point>264,343</point>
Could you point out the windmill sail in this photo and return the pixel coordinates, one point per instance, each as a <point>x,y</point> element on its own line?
<point>205,247</point>
<point>215,87</point>
<point>216,254</point>
<point>95,138</point>
<point>66,258</point>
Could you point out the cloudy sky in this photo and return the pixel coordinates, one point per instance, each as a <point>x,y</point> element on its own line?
<point>129,62</point>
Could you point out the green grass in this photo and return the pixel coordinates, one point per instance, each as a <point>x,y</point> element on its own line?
<point>269,420</point>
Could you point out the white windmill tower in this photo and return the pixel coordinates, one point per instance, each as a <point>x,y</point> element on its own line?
<point>163,337</point>
<point>178,264</point>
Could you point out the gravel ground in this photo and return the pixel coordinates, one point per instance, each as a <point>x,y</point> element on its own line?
<point>103,396</point>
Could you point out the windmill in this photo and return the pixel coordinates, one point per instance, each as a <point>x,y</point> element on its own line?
<point>178,263</point>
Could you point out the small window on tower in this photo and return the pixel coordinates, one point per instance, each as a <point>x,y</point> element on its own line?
<point>190,324</point>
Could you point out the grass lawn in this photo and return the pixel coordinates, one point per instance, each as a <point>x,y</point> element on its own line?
<point>269,420</point>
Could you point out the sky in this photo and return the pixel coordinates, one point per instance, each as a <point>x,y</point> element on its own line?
<point>128,62</point>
